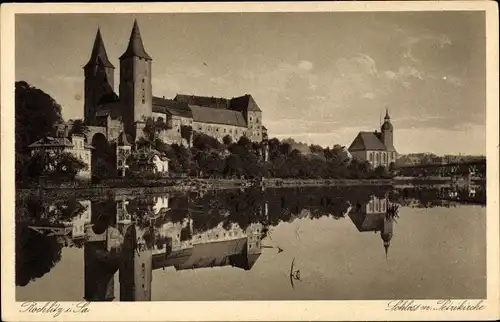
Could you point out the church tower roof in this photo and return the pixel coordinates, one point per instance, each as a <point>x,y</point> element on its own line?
<point>99,55</point>
<point>387,117</point>
<point>135,46</point>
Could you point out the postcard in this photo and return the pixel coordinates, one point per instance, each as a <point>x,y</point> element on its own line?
<point>250,161</point>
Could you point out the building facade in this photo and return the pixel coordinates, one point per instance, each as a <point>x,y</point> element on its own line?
<point>375,147</point>
<point>75,145</point>
<point>218,117</point>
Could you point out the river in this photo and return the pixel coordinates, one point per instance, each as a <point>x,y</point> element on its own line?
<point>357,243</point>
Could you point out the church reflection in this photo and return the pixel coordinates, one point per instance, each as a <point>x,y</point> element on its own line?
<point>377,216</point>
<point>133,237</point>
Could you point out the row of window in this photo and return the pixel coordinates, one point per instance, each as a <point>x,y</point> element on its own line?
<point>377,207</point>
<point>381,156</point>
<point>257,120</point>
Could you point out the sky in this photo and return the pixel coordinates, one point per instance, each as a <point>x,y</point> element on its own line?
<point>318,77</point>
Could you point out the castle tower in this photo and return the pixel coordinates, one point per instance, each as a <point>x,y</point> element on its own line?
<point>123,151</point>
<point>135,83</point>
<point>136,270</point>
<point>99,273</point>
<point>254,120</point>
<point>99,78</point>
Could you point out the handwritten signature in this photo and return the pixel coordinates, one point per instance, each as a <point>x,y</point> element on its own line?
<point>54,308</point>
<point>441,305</point>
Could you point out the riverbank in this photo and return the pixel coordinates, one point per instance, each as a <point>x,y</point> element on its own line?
<point>117,187</point>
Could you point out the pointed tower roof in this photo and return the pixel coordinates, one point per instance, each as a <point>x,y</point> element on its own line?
<point>122,140</point>
<point>99,55</point>
<point>386,246</point>
<point>135,46</point>
<point>387,117</point>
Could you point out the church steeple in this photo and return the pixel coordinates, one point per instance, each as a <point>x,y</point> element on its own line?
<point>386,246</point>
<point>99,55</point>
<point>135,46</point>
<point>387,118</point>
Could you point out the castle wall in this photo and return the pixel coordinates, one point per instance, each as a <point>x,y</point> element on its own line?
<point>219,131</point>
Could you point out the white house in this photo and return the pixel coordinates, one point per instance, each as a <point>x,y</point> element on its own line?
<point>75,145</point>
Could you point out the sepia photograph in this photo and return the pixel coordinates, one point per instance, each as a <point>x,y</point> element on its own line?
<point>250,156</point>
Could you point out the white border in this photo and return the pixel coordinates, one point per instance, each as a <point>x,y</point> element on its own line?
<point>241,310</point>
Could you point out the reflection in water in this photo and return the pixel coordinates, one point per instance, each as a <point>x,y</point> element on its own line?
<point>294,274</point>
<point>133,236</point>
<point>376,216</point>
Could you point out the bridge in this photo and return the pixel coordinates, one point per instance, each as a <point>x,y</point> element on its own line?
<point>476,169</point>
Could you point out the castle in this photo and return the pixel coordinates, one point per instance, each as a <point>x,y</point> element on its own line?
<point>110,114</point>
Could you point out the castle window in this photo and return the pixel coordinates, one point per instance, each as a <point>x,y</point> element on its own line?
<point>371,156</point>
<point>250,118</point>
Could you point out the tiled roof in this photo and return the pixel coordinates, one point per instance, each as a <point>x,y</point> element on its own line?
<point>216,253</point>
<point>99,55</point>
<point>149,154</point>
<point>112,109</point>
<point>244,103</point>
<point>244,260</point>
<point>162,105</point>
<point>367,141</point>
<point>55,142</point>
<point>122,140</point>
<point>176,258</point>
<point>213,102</point>
<point>217,116</point>
<point>367,222</point>
<point>52,142</point>
<point>135,46</point>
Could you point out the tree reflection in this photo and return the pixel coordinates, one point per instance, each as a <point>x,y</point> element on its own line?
<point>36,254</point>
<point>194,213</point>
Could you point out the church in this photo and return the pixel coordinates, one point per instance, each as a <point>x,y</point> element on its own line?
<point>375,147</point>
<point>110,114</point>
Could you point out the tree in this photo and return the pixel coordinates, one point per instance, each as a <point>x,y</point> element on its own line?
<point>36,254</point>
<point>63,165</point>
<point>66,165</point>
<point>153,128</point>
<point>381,172</point>
<point>203,142</point>
<point>227,140</point>
<point>79,127</point>
<point>36,114</point>
<point>187,133</point>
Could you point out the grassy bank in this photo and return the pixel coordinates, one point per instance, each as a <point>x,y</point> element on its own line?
<point>138,187</point>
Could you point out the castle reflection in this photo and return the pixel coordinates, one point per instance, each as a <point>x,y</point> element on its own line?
<point>134,235</point>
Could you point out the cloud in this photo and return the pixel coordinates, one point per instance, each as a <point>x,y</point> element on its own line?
<point>305,65</point>
<point>361,63</point>
<point>369,96</point>
<point>457,81</point>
